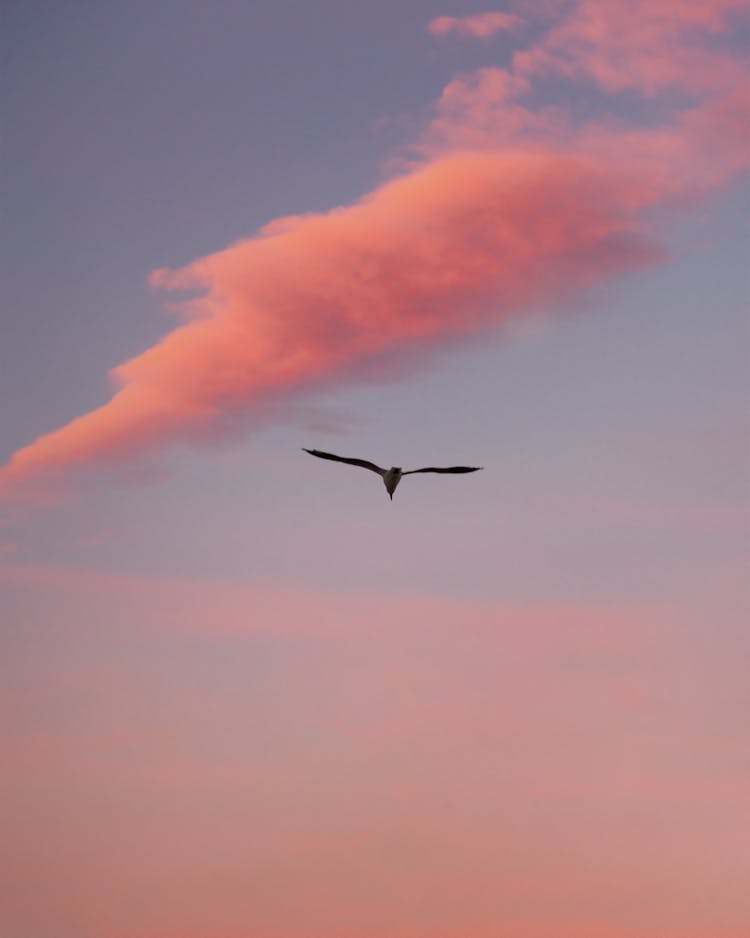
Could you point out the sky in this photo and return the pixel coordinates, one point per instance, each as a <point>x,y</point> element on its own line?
<point>244,694</point>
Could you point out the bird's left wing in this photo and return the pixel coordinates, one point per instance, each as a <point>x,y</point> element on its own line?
<point>444,469</point>
<point>364,463</point>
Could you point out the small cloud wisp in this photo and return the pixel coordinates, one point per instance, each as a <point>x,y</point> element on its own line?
<point>476,26</point>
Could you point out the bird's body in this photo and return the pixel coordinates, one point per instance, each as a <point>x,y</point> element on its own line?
<point>391,477</point>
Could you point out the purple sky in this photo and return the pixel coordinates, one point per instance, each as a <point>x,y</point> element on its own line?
<point>245,696</point>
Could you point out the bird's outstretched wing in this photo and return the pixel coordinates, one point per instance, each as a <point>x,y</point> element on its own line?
<point>444,469</point>
<point>364,463</point>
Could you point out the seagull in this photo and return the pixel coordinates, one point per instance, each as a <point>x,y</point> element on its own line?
<point>391,477</point>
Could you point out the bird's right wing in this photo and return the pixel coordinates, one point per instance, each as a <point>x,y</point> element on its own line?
<point>364,463</point>
<point>444,469</point>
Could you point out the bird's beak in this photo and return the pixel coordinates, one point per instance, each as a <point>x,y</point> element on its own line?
<point>390,495</point>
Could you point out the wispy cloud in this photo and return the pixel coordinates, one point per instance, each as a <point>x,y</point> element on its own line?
<point>476,26</point>
<point>503,208</point>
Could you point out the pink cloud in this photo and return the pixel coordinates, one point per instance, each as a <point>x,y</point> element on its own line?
<point>650,46</point>
<point>451,248</point>
<point>476,26</point>
<point>439,254</point>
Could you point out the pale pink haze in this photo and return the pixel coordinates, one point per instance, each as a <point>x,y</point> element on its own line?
<point>458,769</point>
<point>492,193</point>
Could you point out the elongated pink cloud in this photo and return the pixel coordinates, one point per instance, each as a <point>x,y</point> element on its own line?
<point>507,208</point>
<point>465,241</point>
<point>476,26</point>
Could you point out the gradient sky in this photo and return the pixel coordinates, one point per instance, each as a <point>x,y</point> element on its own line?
<point>244,694</point>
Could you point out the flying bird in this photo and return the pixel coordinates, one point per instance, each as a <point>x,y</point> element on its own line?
<point>391,477</point>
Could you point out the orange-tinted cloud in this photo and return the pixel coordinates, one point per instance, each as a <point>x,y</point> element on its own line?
<point>462,243</point>
<point>477,26</point>
<point>508,208</point>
